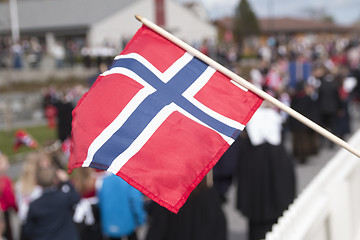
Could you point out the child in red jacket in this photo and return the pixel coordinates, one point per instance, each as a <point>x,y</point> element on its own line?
<point>7,196</point>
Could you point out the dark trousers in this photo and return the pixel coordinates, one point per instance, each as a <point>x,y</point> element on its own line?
<point>7,233</point>
<point>130,237</point>
<point>258,230</point>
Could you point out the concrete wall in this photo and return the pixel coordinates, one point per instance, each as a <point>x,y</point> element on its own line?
<point>18,108</point>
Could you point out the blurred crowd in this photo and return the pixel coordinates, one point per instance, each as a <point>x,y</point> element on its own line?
<point>31,52</point>
<point>48,203</point>
<point>318,77</point>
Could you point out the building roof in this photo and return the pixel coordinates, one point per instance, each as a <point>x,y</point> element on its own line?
<point>356,27</point>
<point>225,23</point>
<point>294,25</point>
<point>37,15</point>
<point>289,25</point>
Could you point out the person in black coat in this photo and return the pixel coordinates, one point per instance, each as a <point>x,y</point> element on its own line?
<point>64,114</point>
<point>201,218</point>
<point>329,102</point>
<point>50,216</point>
<point>265,173</point>
<point>224,171</point>
<point>305,141</point>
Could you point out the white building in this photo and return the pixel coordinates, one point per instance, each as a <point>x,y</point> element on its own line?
<point>109,21</point>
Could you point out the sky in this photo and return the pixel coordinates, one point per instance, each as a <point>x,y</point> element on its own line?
<point>342,11</point>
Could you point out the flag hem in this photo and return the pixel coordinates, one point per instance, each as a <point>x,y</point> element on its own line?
<point>175,208</point>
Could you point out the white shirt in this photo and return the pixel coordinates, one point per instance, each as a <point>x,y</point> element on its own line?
<point>265,126</point>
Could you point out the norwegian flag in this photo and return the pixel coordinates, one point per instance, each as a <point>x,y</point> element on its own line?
<point>23,138</point>
<point>159,118</point>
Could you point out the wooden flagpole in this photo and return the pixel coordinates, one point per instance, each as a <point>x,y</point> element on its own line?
<point>248,85</point>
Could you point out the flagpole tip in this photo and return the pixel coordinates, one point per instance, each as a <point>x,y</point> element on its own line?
<point>138,17</point>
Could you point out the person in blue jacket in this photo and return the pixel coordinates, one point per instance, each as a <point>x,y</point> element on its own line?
<point>121,208</point>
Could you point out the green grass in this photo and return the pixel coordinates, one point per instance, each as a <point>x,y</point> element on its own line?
<point>40,133</point>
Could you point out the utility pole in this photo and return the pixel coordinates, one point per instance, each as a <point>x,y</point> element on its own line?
<point>14,20</point>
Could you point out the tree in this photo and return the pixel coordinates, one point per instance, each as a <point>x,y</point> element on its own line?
<point>245,22</point>
<point>318,13</point>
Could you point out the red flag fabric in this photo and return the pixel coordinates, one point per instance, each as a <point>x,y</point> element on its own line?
<point>23,138</point>
<point>159,118</point>
<point>65,147</point>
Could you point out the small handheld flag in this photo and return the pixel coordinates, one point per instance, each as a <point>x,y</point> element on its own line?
<point>159,118</point>
<point>21,137</point>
